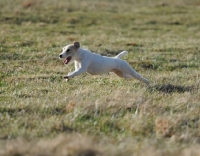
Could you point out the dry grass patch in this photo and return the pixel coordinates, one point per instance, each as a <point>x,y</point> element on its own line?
<point>63,145</point>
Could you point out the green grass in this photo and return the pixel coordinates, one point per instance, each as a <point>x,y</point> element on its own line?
<point>42,114</point>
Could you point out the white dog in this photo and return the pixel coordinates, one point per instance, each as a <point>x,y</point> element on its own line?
<point>86,61</point>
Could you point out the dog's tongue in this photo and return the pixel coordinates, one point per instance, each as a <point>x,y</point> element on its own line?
<point>66,61</point>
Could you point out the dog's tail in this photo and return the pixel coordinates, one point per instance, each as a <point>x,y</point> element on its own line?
<point>121,54</point>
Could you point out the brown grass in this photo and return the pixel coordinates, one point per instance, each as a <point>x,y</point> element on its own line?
<point>63,145</point>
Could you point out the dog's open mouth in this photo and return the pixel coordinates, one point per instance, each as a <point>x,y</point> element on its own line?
<point>66,61</point>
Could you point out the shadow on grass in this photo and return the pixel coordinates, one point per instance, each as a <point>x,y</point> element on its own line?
<point>170,88</point>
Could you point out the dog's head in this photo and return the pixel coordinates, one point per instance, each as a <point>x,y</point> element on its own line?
<point>69,51</point>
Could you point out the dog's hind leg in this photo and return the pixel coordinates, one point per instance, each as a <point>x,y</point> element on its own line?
<point>121,74</point>
<point>129,71</point>
<point>133,73</point>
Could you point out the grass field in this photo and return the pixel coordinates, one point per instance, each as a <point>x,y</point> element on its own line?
<point>43,115</point>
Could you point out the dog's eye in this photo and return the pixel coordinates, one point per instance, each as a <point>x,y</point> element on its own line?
<point>68,50</point>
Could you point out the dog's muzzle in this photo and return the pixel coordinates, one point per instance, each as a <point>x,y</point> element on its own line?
<point>60,56</point>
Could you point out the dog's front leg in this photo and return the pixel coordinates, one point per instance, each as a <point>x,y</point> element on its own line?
<point>75,73</point>
<point>82,69</point>
<point>76,65</point>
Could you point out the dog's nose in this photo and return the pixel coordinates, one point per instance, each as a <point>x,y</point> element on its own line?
<point>60,56</point>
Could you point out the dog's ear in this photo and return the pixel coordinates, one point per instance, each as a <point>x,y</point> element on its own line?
<point>76,45</point>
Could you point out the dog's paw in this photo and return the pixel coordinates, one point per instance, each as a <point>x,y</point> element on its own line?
<point>66,78</point>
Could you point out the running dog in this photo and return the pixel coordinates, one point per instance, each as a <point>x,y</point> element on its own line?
<point>86,61</point>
